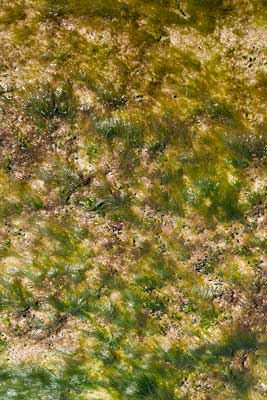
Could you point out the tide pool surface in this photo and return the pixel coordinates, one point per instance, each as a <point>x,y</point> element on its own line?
<point>133,160</point>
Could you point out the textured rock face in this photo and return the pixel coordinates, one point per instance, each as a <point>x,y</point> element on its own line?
<point>133,156</point>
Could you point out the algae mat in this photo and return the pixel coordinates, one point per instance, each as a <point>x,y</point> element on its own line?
<point>133,160</point>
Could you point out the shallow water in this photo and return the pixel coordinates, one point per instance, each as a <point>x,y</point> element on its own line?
<point>133,182</point>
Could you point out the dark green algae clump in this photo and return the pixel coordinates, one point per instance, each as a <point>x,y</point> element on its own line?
<point>133,191</point>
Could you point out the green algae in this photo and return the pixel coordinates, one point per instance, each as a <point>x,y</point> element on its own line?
<point>13,13</point>
<point>243,148</point>
<point>14,294</point>
<point>43,382</point>
<point>104,9</point>
<point>131,132</point>
<point>207,13</point>
<point>137,232</point>
<point>49,102</point>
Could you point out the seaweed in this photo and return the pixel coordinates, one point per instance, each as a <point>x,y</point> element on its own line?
<point>13,13</point>
<point>49,102</point>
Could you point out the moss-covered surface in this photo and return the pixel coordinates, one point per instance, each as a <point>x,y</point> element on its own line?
<point>133,160</point>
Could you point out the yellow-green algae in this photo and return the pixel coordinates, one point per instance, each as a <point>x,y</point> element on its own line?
<point>133,191</point>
